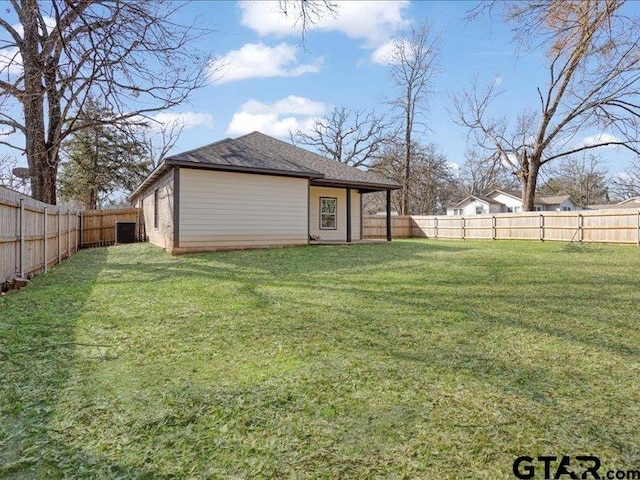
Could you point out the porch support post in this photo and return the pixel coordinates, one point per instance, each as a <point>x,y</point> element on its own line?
<point>348,214</point>
<point>388,215</point>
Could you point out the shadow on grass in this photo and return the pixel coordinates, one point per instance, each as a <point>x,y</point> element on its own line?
<point>402,312</point>
<point>38,345</point>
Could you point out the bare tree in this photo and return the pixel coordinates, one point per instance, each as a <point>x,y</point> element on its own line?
<point>412,65</point>
<point>627,185</point>
<point>157,139</point>
<point>133,56</point>
<point>433,182</point>
<point>593,59</point>
<point>480,174</point>
<point>584,178</point>
<point>307,12</point>
<point>347,136</point>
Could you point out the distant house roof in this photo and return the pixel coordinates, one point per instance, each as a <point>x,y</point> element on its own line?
<point>262,154</point>
<point>475,197</point>
<point>630,200</point>
<point>539,199</point>
<point>553,199</point>
<point>633,202</point>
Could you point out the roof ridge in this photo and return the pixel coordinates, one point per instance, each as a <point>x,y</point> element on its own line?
<point>200,148</point>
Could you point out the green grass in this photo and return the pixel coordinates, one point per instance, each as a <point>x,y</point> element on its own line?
<point>416,359</point>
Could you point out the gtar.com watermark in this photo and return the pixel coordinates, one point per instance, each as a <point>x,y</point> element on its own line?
<point>550,467</point>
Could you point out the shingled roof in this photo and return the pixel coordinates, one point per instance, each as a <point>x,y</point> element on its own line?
<point>260,153</point>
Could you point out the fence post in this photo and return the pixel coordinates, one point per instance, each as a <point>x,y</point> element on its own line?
<point>463,227</point>
<point>541,227</point>
<point>59,238</point>
<point>435,226</point>
<point>639,228</point>
<point>46,234</point>
<point>493,227</point>
<point>21,231</point>
<point>580,228</point>
<point>68,233</point>
<point>78,220</point>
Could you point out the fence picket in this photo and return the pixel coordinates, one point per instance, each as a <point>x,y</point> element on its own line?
<point>25,231</point>
<point>589,226</point>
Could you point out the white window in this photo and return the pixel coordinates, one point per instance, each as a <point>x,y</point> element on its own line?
<point>538,209</point>
<point>566,209</point>
<point>516,209</point>
<point>457,211</point>
<point>328,213</point>
<point>479,210</point>
<point>510,209</point>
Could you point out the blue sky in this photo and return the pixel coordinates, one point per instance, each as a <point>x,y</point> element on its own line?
<point>273,83</point>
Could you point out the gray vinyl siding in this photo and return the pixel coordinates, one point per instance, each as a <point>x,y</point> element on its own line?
<point>162,235</point>
<point>340,233</point>
<point>227,209</point>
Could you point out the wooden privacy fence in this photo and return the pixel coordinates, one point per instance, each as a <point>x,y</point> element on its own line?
<point>589,226</point>
<point>98,227</point>
<point>35,236</point>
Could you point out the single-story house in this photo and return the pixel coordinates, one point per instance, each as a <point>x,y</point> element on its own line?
<point>501,201</point>
<point>254,191</point>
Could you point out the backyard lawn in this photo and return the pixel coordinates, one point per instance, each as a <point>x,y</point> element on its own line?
<point>415,359</point>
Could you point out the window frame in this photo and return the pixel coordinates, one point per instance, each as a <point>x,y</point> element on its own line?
<point>156,208</point>
<point>334,213</point>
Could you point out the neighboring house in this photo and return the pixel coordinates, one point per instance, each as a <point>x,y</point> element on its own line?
<point>633,202</point>
<point>253,191</point>
<point>501,201</point>
<point>475,205</point>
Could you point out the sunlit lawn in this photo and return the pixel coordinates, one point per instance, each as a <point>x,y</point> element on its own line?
<point>415,359</point>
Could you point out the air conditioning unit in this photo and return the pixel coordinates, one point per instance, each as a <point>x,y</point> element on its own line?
<point>125,232</point>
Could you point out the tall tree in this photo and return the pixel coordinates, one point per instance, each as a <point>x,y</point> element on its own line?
<point>100,159</point>
<point>480,174</point>
<point>134,56</point>
<point>347,136</point>
<point>593,59</point>
<point>412,64</point>
<point>433,182</point>
<point>583,177</point>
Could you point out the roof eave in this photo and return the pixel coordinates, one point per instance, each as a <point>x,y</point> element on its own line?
<point>364,186</point>
<point>170,162</point>
<point>241,169</point>
<point>151,178</point>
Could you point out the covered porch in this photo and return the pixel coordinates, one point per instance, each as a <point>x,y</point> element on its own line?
<point>335,211</point>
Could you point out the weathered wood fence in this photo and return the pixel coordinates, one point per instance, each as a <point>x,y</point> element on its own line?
<point>98,227</point>
<point>590,226</point>
<point>34,236</point>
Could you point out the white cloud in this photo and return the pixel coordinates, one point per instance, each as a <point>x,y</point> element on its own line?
<point>257,60</point>
<point>372,21</point>
<point>10,58</point>
<point>278,118</point>
<point>386,53</point>
<point>186,119</point>
<point>599,138</point>
<point>10,61</point>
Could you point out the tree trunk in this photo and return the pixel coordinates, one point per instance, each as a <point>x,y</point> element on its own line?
<point>43,169</point>
<point>528,175</point>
